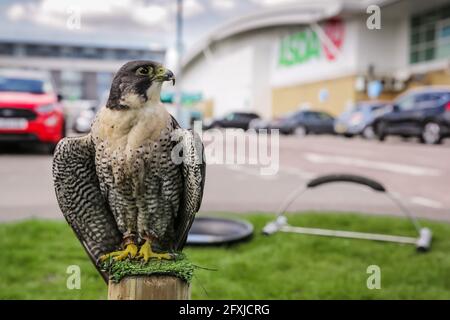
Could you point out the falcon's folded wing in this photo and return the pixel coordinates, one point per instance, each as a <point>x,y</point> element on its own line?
<point>194,172</point>
<point>79,197</point>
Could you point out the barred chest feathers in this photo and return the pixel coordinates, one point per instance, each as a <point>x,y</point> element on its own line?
<point>130,128</point>
<point>127,139</point>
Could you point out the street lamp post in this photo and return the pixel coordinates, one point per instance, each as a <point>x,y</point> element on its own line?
<point>179,49</point>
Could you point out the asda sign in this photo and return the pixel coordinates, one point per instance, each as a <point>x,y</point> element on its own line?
<point>304,46</point>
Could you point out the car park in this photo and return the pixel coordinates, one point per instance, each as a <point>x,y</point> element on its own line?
<point>239,120</point>
<point>305,122</point>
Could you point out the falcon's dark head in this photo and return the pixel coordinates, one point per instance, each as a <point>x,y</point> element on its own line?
<point>137,82</point>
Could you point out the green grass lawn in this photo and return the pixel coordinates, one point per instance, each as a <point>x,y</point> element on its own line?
<point>36,254</point>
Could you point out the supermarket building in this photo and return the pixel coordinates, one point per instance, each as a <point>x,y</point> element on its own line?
<point>320,55</point>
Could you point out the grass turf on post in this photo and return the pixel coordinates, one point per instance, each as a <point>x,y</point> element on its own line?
<point>154,280</point>
<point>180,268</point>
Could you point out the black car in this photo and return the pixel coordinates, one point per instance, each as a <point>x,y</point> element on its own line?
<point>423,113</point>
<point>239,120</point>
<point>305,122</point>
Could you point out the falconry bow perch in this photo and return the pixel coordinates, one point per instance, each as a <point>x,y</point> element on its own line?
<point>131,188</point>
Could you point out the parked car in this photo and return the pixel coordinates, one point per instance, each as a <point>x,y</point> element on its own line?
<point>305,122</point>
<point>422,112</point>
<point>30,111</point>
<point>233,120</point>
<point>359,119</point>
<point>84,119</point>
<point>258,124</point>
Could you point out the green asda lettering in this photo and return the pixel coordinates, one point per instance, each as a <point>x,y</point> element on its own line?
<point>299,48</point>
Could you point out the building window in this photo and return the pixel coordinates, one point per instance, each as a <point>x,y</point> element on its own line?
<point>37,50</point>
<point>6,49</point>
<point>443,39</point>
<point>430,35</point>
<point>72,85</point>
<point>104,80</point>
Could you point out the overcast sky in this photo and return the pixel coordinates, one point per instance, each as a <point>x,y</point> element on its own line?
<point>142,22</point>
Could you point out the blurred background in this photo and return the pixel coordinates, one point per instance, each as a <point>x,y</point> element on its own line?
<point>353,86</point>
<point>372,84</point>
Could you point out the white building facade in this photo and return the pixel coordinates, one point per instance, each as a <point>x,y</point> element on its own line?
<point>320,55</point>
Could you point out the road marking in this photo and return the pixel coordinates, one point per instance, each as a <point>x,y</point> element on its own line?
<point>251,172</point>
<point>370,164</point>
<point>305,175</point>
<point>297,172</point>
<point>426,202</point>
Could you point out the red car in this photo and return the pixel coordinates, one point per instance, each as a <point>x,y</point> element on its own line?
<point>30,110</point>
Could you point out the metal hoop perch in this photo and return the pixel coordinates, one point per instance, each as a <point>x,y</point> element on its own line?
<point>422,241</point>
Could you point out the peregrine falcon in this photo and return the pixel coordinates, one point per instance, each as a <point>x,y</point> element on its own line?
<point>132,186</point>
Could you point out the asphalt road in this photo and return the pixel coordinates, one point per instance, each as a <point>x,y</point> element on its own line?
<point>418,174</point>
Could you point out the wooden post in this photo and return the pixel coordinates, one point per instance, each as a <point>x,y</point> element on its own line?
<point>149,288</point>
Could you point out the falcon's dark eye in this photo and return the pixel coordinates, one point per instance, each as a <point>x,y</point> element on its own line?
<point>144,71</point>
<point>160,70</point>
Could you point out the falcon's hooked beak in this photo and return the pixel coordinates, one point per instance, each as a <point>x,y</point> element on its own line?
<point>167,75</point>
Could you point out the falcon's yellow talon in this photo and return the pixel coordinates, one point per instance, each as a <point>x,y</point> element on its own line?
<point>147,253</point>
<point>130,251</point>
